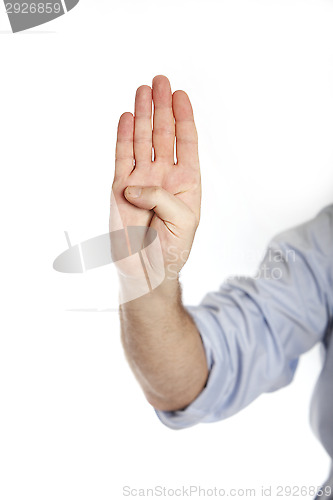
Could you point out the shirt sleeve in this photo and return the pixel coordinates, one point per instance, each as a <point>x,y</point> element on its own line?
<point>254,329</point>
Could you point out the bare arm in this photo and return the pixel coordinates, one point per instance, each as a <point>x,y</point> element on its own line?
<point>163,347</point>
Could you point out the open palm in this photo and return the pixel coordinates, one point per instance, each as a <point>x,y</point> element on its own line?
<point>145,156</point>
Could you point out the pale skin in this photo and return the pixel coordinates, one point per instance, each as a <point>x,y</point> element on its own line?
<point>160,340</point>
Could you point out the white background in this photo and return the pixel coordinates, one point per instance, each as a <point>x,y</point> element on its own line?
<point>74,423</point>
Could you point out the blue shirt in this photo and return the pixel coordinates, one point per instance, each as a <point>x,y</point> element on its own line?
<point>254,329</point>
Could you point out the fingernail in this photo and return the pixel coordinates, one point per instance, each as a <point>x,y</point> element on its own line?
<point>133,191</point>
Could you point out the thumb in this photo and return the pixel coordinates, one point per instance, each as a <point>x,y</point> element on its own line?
<point>166,205</point>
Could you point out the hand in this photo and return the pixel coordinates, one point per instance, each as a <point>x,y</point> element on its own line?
<point>169,195</point>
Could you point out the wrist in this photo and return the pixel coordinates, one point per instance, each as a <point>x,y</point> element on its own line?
<point>137,294</point>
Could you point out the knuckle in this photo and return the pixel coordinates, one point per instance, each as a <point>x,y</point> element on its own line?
<point>156,191</point>
<point>164,130</point>
<point>142,139</point>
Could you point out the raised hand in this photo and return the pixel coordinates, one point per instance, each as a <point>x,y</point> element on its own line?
<point>150,189</point>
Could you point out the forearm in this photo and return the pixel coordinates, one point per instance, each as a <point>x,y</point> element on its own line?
<point>163,347</point>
